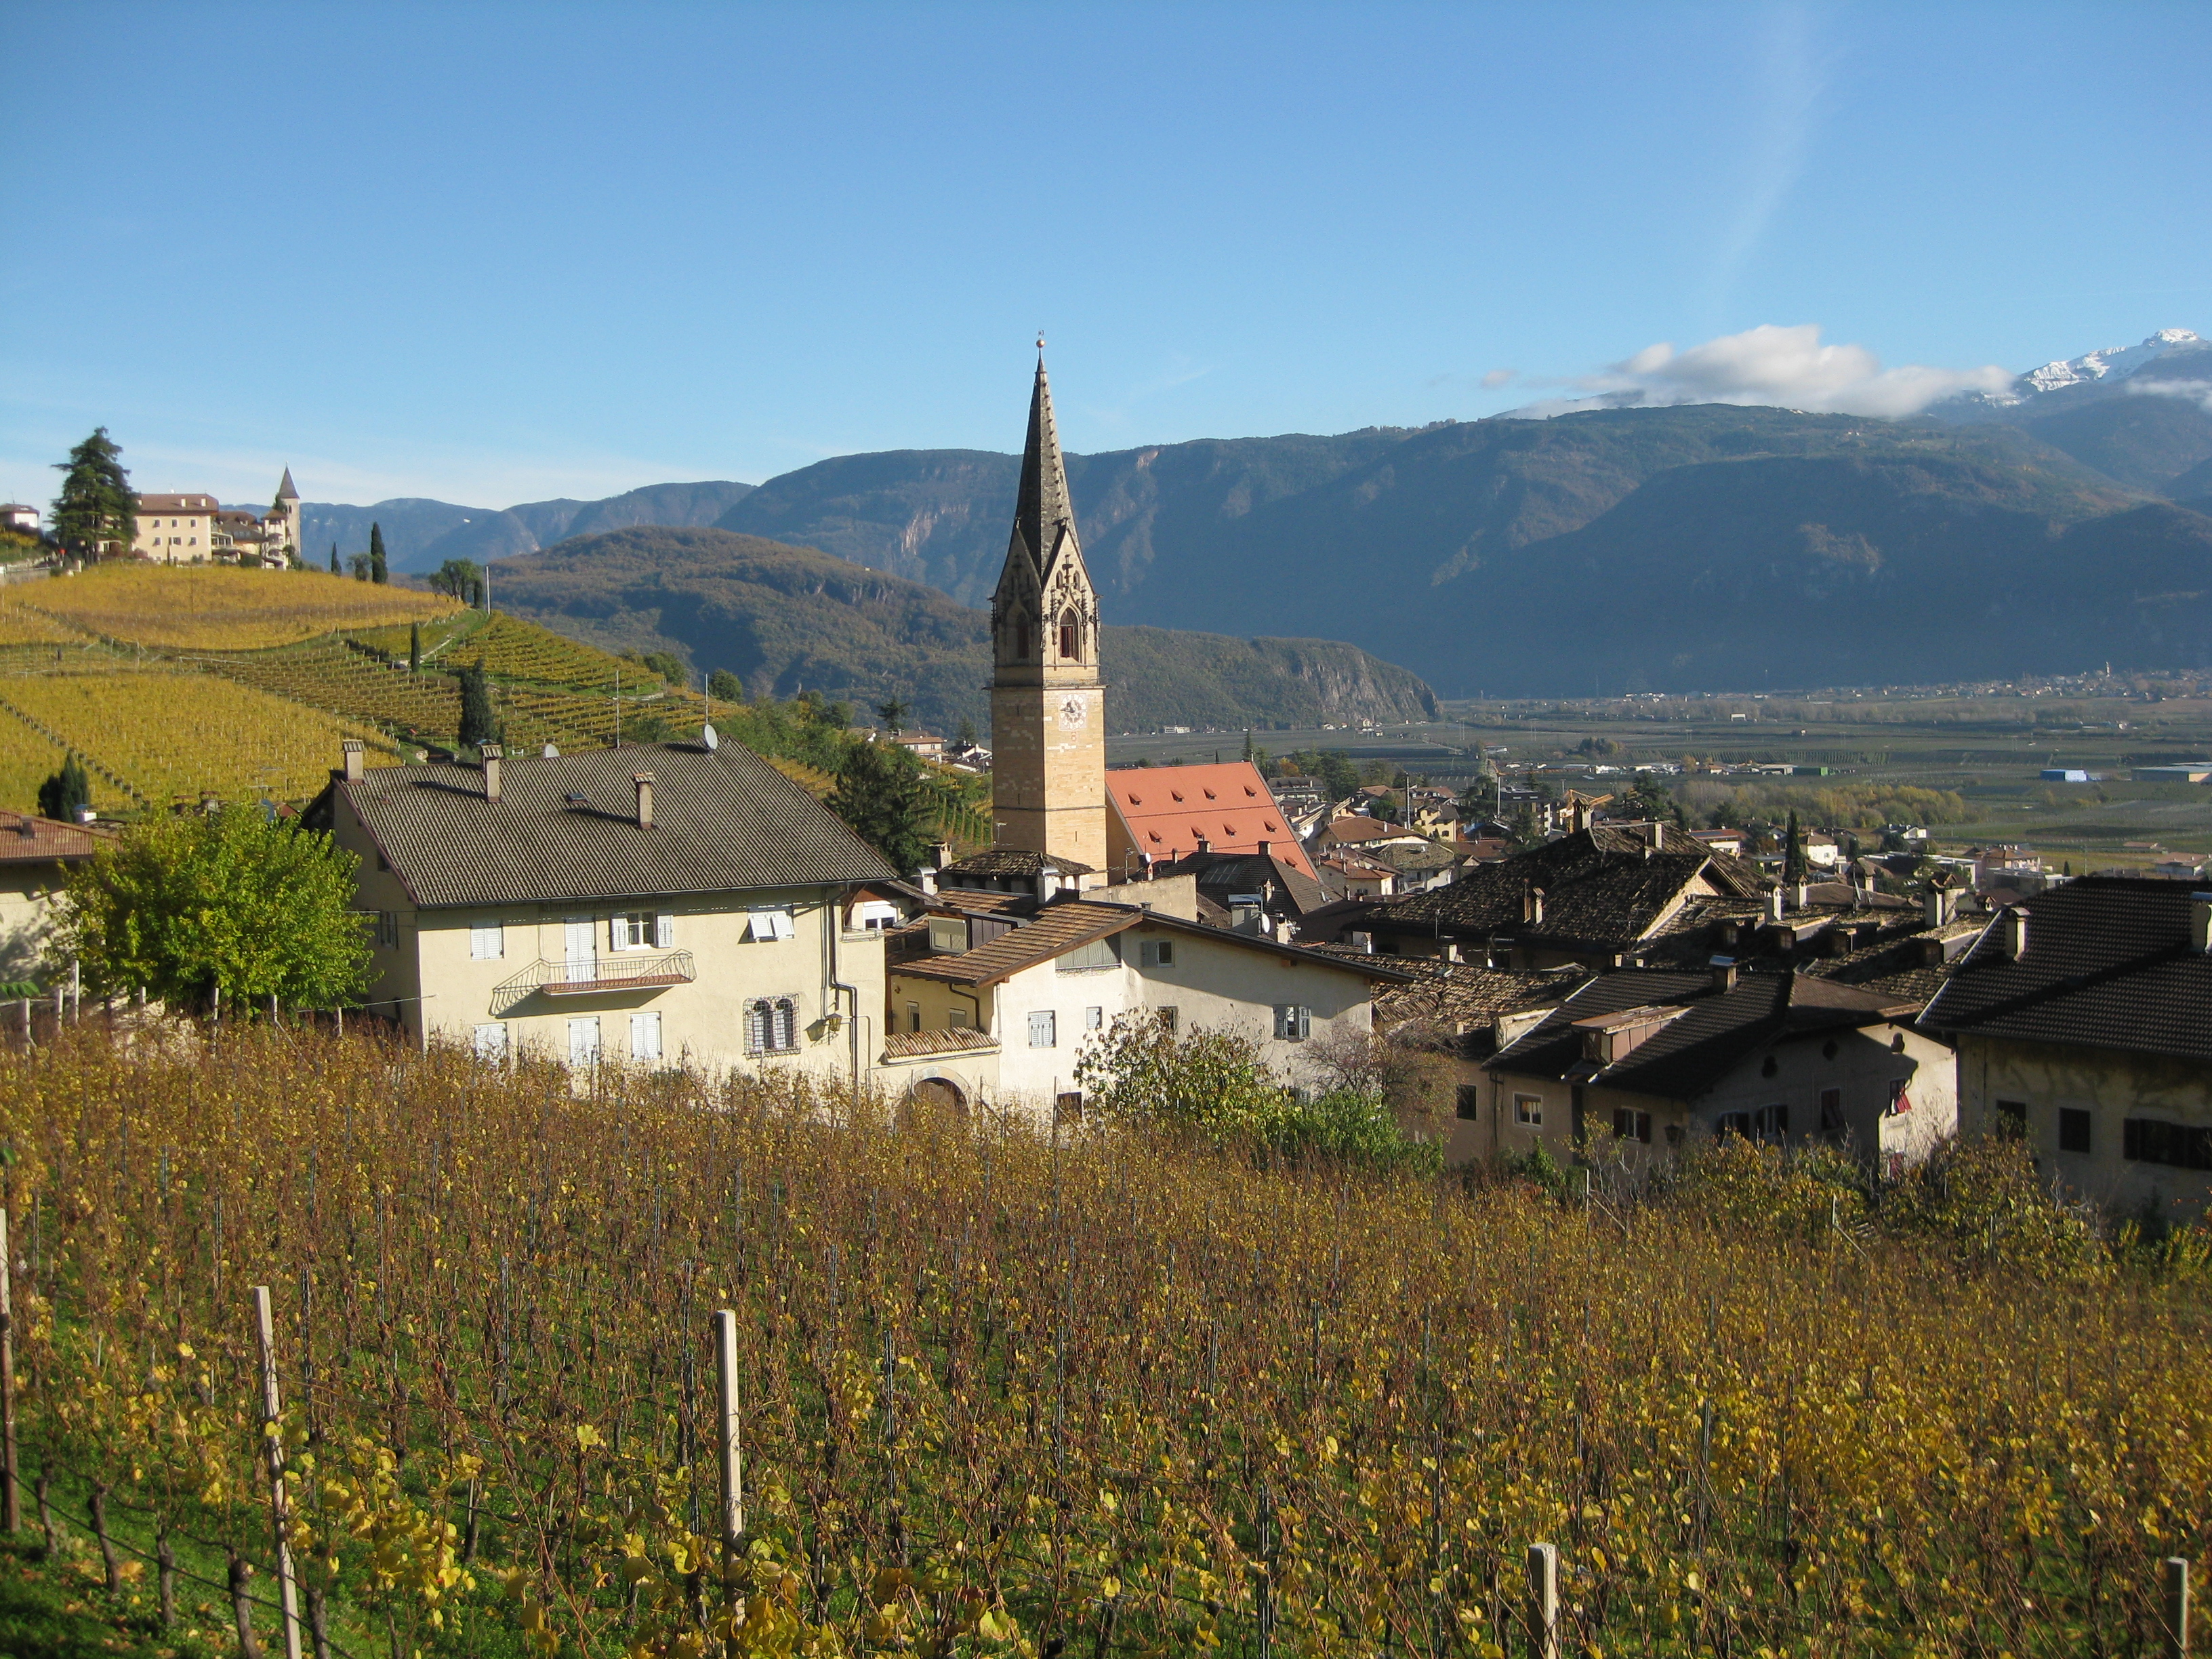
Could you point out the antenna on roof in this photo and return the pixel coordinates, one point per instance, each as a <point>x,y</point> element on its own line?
<point>711,737</point>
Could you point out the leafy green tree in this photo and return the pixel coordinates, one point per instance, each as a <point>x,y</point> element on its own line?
<point>479,720</point>
<point>725,687</point>
<point>461,578</point>
<point>237,901</point>
<point>358,564</point>
<point>96,506</point>
<point>882,793</point>
<point>63,795</point>
<point>379,570</point>
<point>1214,1081</point>
<point>669,666</point>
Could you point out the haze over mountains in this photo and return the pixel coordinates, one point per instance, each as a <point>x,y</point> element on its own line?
<point>2059,523</point>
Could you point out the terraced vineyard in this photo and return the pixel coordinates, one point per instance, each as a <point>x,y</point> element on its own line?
<point>23,624</point>
<point>172,735</point>
<point>219,608</point>
<point>511,648</point>
<point>331,676</point>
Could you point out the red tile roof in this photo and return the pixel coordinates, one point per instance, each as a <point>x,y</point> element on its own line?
<point>24,839</point>
<point>1167,808</point>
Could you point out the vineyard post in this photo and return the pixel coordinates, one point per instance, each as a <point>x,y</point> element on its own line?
<point>2175,1613</point>
<point>11,1499</point>
<point>1544,1600</point>
<point>287,1586</point>
<point>725,1429</point>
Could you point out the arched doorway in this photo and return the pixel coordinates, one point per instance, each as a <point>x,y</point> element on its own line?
<point>938,1097</point>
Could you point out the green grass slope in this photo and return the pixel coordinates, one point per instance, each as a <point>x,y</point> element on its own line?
<point>783,618</point>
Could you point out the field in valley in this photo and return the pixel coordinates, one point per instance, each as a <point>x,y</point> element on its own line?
<point>999,1394</point>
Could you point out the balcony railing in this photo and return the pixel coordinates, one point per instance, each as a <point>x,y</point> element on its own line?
<point>634,970</point>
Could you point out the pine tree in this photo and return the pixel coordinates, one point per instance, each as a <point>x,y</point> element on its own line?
<point>1793,851</point>
<point>65,794</point>
<point>96,505</point>
<point>479,722</point>
<point>882,794</point>
<point>893,715</point>
<point>415,647</point>
<point>379,571</point>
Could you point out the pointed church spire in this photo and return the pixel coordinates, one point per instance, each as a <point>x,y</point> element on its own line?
<point>1043,513</point>
<point>285,491</point>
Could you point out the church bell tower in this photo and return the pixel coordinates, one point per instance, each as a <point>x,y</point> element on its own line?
<point>1048,702</point>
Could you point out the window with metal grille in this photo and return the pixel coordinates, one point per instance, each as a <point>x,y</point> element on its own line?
<point>771,1025</point>
<point>2177,1146</point>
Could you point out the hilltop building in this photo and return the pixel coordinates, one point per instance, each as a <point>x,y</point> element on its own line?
<point>197,529</point>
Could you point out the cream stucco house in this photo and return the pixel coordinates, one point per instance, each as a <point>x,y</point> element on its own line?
<point>657,904</point>
<point>36,855</point>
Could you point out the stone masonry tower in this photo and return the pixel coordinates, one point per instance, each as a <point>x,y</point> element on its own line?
<point>286,510</point>
<point>1048,703</point>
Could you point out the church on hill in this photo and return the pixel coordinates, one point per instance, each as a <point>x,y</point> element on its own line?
<point>1057,806</point>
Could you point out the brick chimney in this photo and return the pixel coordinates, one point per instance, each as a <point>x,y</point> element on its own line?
<point>492,754</point>
<point>350,754</point>
<point>644,782</point>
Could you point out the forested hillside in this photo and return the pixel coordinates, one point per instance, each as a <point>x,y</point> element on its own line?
<point>785,618</point>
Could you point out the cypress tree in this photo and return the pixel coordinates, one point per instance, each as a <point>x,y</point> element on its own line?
<point>68,791</point>
<point>378,571</point>
<point>1793,852</point>
<point>96,504</point>
<point>415,647</point>
<point>479,724</point>
<point>335,569</point>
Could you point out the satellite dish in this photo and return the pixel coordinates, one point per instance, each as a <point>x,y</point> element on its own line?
<point>711,737</point>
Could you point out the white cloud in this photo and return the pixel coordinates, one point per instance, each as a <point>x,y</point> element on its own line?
<point>1788,367</point>
<point>1499,377</point>
<point>2198,392</point>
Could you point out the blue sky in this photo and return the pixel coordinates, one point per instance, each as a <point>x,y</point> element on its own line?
<point>494,253</point>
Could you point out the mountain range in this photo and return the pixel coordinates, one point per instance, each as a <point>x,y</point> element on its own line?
<point>2063,522</point>
<point>785,619</point>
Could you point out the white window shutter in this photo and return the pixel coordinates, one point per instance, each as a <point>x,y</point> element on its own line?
<point>783,927</point>
<point>615,940</point>
<point>663,933</point>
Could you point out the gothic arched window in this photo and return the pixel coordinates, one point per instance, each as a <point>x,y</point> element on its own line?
<point>1021,640</point>
<point>1070,636</point>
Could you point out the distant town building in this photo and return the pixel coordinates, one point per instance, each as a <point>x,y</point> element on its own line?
<point>16,516</point>
<point>197,529</point>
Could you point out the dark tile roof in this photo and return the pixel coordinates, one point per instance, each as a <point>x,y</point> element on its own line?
<point>27,839</point>
<point>722,821</point>
<point>1690,1054</point>
<point>2108,965</point>
<point>1460,995</point>
<point>1601,886</point>
<point>997,862</point>
<point>1220,874</point>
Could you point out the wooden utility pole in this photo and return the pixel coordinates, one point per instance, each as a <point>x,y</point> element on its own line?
<point>1544,1600</point>
<point>286,1578</point>
<point>725,1430</point>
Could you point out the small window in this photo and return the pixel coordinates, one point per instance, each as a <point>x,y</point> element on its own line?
<point>1528,1109</point>
<point>1771,1124</point>
<point>387,929</point>
<point>2151,1140</point>
<point>489,1042</point>
<point>1733,1123</point>
<point>1099,953</point>
<point>771,1026</point>
<point>914,1017</point>
<point>1170,1018</point>
<point>631,931</point>
<point>2074,1130</point>
<point>768,925</point>
<point>1094,1020</point>
<point>1044,1029</point>
<point>1156,953</point>
<point>645,1036</point>
<point>1292,1023</point>
<point>2012,1120</point>
<point>1632,1125</point>
<point>1070,637</point>
<point>1468,1103</point>
<point>1831,1113</point>
<point>1068,1107</point>
<point>487,941</point>
<point>948,936</point>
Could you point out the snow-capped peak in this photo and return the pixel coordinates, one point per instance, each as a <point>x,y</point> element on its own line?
<point>2111,362</point>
